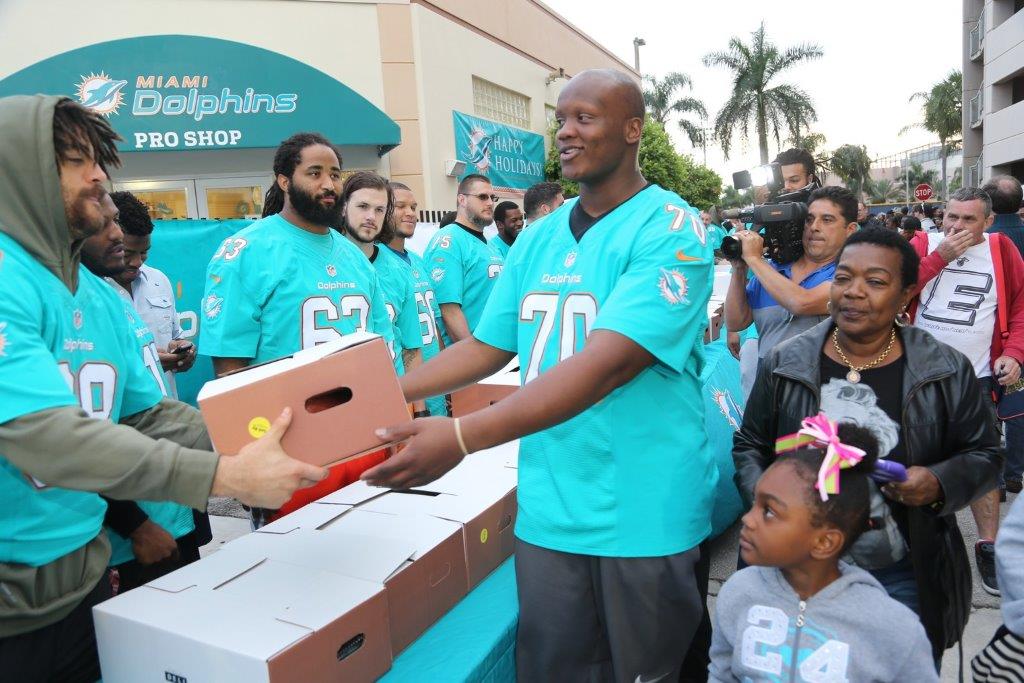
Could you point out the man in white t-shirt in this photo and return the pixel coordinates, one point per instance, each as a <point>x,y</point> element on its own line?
<point>959,304</point>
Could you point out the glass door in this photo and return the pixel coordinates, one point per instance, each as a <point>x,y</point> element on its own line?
<point>165,199</point>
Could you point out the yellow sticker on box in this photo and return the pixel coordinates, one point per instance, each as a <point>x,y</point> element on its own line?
<point>483,536</point>
<point>258,426</point>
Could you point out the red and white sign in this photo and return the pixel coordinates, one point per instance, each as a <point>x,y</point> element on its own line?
<point>923,192</point>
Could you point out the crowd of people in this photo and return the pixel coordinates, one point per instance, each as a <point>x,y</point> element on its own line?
<point>874,362</point>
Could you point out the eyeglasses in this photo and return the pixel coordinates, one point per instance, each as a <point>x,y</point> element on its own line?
<point>483,196</point>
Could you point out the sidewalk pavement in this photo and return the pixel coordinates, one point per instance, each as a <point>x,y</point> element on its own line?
<point>229,521</point>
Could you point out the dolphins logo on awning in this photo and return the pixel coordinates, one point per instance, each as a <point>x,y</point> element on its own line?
<point>480,149</point>
<point>101,93</point>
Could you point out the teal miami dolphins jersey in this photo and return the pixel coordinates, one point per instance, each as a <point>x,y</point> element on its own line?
<point>59,349</point>
<point>174,518</point>
<point>499,245</point>
<point>463,268</point>
<point>631,476</point>
<point>273,289</point>
<point>400,302</point>
<point>429,313</point>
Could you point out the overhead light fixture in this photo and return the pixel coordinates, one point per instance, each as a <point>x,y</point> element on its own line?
<point>454,168</point>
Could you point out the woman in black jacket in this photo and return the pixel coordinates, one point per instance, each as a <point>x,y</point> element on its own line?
<point>921,399</point>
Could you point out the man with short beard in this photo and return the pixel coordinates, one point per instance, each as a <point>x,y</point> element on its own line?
<point>289,282</point>
<point>403,226</point>
<point>462,265</point>
<point>72,379</point>
<point>366,208</point>
<point>508,218</point>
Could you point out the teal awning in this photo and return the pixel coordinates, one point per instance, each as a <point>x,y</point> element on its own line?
<point>175,92</point>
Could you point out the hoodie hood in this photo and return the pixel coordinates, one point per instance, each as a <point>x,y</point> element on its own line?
<point>31,205</point>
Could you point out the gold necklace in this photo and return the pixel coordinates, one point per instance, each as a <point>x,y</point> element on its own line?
<point>853,376</point>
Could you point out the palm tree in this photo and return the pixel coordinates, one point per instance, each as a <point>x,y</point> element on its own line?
<point>918,176</point>
<point>755,100</point>
<point>941,112</point>
<point>883,191</point>
<point>853,165</point>
<point>662,102</point>
<point>734,199</point>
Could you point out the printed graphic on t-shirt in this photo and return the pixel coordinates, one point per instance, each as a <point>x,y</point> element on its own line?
<point>767,647</point>
<point>958,306</point>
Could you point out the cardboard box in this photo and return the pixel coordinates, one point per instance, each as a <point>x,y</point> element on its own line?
<point>239,615</point>
<point>339,392</point>
<point>715,321</point>
<point>422,589</point>
<point>479,494</point>
<point>486,391</point>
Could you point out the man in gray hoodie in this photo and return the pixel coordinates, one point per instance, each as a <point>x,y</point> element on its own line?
<point>76,418</point>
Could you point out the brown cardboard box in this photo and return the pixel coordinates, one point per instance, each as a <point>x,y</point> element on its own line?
<point>421,590</point>
<point>715,321</point>
<point>339,393</point>
<point>241,615</point>
<point>486,391</point>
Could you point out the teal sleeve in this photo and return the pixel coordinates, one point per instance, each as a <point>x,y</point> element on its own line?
<point>231,306</point>
<point>499,324</point>
<point>444,259</point>
<point>141,391</point>
<point>408,323</point>
<point>30,379</point>
<point>660,300</point>
<point>379,322</point>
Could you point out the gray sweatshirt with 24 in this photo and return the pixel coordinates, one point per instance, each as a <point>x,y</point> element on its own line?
<point>849,631</point>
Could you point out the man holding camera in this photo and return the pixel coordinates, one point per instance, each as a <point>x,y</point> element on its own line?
<point>783,300</point>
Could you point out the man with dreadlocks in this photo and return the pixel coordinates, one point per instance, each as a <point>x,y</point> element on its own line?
<point>70,369</point>
<point>289,282</point>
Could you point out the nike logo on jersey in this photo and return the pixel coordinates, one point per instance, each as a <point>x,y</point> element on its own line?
<point>681,256</point>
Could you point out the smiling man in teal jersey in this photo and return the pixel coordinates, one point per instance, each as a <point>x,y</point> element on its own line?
<point>289,282</point>
<point>606,306</point>
<point>403,227</point>
<point>69,367</point>
<point>367,206</point>
<point>462,265</point>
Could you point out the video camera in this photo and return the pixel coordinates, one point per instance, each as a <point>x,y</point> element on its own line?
<point>783,220</point>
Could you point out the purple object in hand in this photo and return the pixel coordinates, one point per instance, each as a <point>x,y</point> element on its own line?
<point>887,471</point>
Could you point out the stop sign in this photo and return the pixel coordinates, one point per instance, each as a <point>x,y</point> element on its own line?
<point>923,192</point>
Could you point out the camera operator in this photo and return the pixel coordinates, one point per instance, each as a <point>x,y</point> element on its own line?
<point>797,167</point>
<point>784,300</point>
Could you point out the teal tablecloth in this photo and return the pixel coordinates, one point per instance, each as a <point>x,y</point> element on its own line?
<point>476,641</point>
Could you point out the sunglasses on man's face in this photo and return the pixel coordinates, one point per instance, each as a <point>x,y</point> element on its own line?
<point>483,196</point>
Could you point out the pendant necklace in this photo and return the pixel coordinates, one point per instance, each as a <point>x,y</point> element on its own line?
<point>853,376</point>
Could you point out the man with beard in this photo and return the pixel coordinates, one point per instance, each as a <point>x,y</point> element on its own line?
<point>70,370</point>
<point>606,307</point>
<point>509,221</point>
<point>403,227</point>
<point>366,208</point>
<point>148,539</point>
<point>289,282</point>
<point>462,266</point>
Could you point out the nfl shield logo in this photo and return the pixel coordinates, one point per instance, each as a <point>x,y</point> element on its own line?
<point>76,319</point>
<point>331,270</point>
<point>570,259</point>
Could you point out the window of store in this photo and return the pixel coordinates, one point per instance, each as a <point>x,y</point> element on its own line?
<point>500,104</point>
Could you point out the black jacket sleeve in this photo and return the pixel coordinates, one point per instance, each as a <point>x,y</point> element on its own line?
<point>753,444</point>
<point>977,459</point>
<point>123,516</point>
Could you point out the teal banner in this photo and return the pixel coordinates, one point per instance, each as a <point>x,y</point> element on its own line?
<point>182,250</point>
<point>174,92</point>
<point>511,157</point>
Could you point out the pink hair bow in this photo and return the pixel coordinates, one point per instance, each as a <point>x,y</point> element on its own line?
<point>822,432</point>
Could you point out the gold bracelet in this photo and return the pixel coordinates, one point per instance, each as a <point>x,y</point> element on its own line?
<point>458,437</point>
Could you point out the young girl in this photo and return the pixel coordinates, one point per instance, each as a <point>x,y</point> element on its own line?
<point>798,613</point>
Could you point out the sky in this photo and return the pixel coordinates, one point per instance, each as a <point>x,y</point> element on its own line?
<point>877,53</point>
